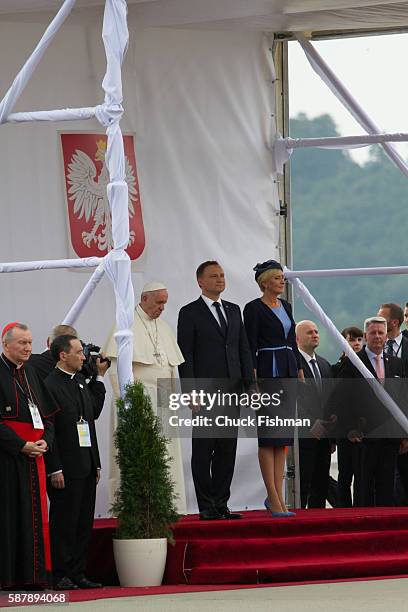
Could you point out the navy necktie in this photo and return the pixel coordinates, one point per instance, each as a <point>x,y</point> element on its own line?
<point>390,348</point>
<point>316,373</point>
<point>223,323</point>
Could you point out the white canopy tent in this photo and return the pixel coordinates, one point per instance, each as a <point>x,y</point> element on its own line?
<point>243,15</point>
<point>200,103</point>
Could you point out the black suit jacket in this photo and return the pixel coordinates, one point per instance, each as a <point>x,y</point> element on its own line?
<point>324,367</point>
<point>312,400</point>
<point>66,454</point>
<point>403,353</point>
<point>43,363</point>
<point>354,401</point>
<point>313,392</point>
<point>207,352</point>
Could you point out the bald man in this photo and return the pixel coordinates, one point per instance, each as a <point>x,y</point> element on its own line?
<point>156,356</point>
<point>314,455</point>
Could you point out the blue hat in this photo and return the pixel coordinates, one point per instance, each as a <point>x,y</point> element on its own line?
<point>271,264</point>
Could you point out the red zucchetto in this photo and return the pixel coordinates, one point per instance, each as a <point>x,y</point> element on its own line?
<point>8,326</point>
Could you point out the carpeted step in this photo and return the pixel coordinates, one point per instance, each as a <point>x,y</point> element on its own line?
<point>301,569</point>
<point>244,550</point>
<point>307,522</point>
<point>313,545</point>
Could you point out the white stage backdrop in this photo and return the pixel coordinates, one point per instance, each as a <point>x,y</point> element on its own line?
<point>200,106</point>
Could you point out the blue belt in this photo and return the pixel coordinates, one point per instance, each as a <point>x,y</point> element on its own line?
<point>275,348</point>
<point>275,372</point>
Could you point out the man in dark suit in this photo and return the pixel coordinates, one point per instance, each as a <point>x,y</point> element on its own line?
<point>364,417</point>
<point>314,454</point>
<point>44,363</point>
<point>405,331</point>
<point>397,345</point>
<point>213,341</point>
<point>73,464</point>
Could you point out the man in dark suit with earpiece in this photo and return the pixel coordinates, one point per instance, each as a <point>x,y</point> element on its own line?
<point>314,454</point>
<point>213,341</point>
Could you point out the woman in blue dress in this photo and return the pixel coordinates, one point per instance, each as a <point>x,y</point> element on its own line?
<point>271,334</point>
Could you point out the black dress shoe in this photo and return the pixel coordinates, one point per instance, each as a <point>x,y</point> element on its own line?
<point>227,514</point>
<point>65,584</point>
<point>210,515</point>
<point>84,583</point>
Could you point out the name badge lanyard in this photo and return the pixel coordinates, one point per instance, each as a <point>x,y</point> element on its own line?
<point>35,413</point>
<point>84,434</point>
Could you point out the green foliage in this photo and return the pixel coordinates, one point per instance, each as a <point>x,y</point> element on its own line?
<point>346,216</point>
<point>144,503</point>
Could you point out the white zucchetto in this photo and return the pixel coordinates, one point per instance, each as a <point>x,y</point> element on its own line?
<point>154,286</point>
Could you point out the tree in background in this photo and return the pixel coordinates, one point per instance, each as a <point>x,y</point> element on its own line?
<point>344,216</point>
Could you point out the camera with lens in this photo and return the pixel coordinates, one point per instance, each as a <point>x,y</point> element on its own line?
<point>92,353</point>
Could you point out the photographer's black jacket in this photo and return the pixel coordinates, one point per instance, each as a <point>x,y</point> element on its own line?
<point>75,399</point>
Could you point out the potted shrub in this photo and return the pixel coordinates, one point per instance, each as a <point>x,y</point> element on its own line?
<point>144,502</point>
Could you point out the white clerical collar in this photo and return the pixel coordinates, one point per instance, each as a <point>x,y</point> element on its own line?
<point>70,374</point>
<point>143,314</point>
<point>308,357</point>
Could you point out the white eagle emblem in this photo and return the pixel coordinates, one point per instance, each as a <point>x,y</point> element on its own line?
<point>90,199</point>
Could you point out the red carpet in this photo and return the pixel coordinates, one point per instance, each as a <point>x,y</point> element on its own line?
<point>316,545</point>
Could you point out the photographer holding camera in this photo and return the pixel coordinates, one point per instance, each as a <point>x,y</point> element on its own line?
<point>44,363</point>
<point>73,464</point>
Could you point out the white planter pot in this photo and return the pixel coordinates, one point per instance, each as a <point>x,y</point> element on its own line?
<point>140,562</point>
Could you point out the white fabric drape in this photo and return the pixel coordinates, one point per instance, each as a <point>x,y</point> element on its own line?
<point>64,114</point>
<point>344,96</point>
<point>50,264</point>
<point>21,80</point>
<point>344,142</point>
<point>290,274</point>
<point>283,147</point>
<point>117,263</point>
<point>117,268</point>
<point>318,311</point>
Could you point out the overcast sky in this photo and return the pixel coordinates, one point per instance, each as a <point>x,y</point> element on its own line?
<point>374,71</point>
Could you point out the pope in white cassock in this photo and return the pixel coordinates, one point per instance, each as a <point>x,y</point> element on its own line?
<point>156,356</point>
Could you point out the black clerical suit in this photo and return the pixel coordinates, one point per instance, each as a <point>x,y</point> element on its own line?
<point>357,407</point>
<point>43,363</point>
<point>314,455</point>
<point>25,557</point>
<point>72,508</point>
<point>211,352</point>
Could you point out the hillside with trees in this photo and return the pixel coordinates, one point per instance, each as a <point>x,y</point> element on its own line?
<point>346,215</point>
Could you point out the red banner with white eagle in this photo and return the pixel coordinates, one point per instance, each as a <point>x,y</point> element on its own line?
<point>86,178</point>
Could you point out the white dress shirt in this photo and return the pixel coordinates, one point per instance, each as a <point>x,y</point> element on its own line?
<point>308,359</point>
<point>213,310</point>
<point>373,358</point>
<point>396,346</point>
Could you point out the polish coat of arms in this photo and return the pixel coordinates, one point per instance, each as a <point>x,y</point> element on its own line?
<point>86,180</point>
